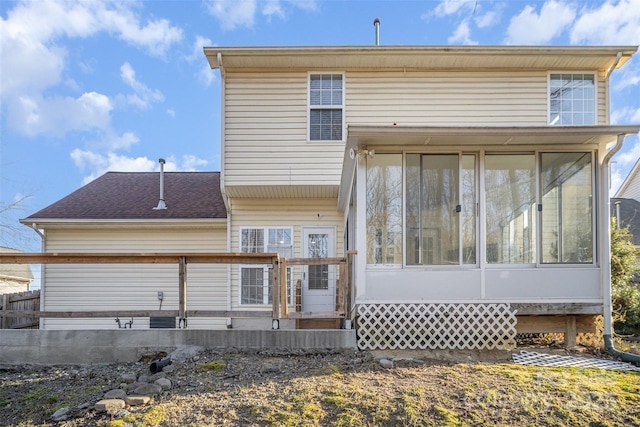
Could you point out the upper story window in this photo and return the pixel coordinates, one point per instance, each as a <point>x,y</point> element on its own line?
<point>326,107</point>
<point>572,99</point>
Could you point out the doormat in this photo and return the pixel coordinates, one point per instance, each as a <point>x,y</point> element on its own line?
<point>532,358</point>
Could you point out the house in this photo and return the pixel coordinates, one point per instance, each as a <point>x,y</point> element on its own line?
<point>630,188</point>
<point>471,182</point>
<point>14,278</point>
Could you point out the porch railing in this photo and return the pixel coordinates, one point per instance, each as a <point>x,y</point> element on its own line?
<point>283,306</point>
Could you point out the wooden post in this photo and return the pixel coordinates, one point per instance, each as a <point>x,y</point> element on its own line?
<point>342,289</point>
<point>4,320</point>
<point>182,292</point>
<point>275,287</point>
<point>284,295</point>
<point>349,284</point>
<point>571,333</point>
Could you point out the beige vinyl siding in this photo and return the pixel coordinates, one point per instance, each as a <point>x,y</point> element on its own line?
<point>86,287</point>
<point>266,133</point>
<point>266,115</point>
<point>281,213</point>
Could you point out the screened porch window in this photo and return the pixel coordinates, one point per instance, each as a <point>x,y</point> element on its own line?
<point>510,208</point>
<point>384,209</point>
<point>567,215</point>
<point>441,209</point>
<point>538,208</point>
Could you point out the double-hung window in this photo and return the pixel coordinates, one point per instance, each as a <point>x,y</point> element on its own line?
<point>326,107</point>
<point>255,280</point>
<point>572,99</point>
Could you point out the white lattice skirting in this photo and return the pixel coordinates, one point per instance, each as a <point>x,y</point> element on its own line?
<point>436,326</point>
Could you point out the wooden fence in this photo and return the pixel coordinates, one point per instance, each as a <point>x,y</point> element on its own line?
<point>21,301</point>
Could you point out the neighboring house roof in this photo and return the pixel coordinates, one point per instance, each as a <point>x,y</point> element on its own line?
<point>630,187</point>
<point>133,195</point>
<point>629,216</point>
<point>17,272</point>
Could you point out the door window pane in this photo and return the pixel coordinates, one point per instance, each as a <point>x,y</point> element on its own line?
<point>567,217</point>
<point>510,208</point>
<point>318,248</point>
<point>384,209</point>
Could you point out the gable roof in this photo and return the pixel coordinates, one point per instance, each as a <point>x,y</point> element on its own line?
<point>133,195</point>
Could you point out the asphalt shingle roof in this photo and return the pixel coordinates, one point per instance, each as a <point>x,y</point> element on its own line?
<point>133,195</point>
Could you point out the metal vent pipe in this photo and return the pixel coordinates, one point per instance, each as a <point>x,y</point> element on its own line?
<point>161,204</point>
<point>376,23</point>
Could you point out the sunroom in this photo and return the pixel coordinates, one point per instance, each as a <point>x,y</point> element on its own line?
<point>479,215</point>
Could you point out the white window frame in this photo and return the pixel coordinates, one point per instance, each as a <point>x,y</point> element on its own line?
<point>265,249</point>
<point>550,122</point>
<point>325,107</point>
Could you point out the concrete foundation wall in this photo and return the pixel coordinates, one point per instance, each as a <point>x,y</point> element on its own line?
<point>82,347</point>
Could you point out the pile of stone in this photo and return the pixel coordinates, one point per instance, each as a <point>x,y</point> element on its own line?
<point>133,390</point>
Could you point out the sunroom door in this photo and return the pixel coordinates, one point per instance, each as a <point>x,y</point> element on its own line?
<point>319,282</point>
<point>441,209</point>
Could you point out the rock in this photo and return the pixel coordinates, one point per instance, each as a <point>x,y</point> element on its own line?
<point>61,414</point>
<point>148,389</point>
<point>115,394</point>
<point>165,383</point>
<point>138,400</point>
<point>133,386</point>
<point>110,406</point>
<point>144,378</point>
<point>128,378</point>
<point>153,378</point>
<point>386,363</point>
<point>185,352</point>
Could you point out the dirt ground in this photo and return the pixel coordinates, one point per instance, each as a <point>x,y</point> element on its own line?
<point>340,389</point>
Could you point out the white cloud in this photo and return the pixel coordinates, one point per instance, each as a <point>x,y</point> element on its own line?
<point>98,164</point>
<point>488,19</point>
<point>462,34</point>
<point>625,115</point>
<point>205,75</point>
<point>273,8</point>
<point>31,34</point>
<point>613,23</point>
<point>55,116</point>
<point>449,7</point>
<point>530,27</point>
<point>242,13</point>
<point>171,112</point>
<point>623,162</point>
<point>233,14</point>
<point>143,96</point>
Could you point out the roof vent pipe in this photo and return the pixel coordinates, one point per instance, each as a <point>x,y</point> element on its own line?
<point>376,23</point>
<point>161,204</point>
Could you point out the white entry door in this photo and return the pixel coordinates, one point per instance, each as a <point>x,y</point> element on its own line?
<point>318,281</point>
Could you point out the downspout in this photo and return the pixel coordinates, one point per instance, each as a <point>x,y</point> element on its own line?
<point>605,232</point>
<point>227,203</point>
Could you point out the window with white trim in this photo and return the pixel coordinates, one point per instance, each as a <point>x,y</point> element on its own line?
<point>255,280</point>
<point>572,99</point>
<point>326,107</point>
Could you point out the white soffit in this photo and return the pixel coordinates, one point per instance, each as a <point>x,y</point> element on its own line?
<point>368,136</point>
<point>409,58</point>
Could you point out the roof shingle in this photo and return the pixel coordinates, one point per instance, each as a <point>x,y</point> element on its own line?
<point>133,195</point>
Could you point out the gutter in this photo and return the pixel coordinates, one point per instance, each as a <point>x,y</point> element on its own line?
<point>605,230</point>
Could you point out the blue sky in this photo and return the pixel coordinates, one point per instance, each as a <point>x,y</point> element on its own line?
<point>95,86</point>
